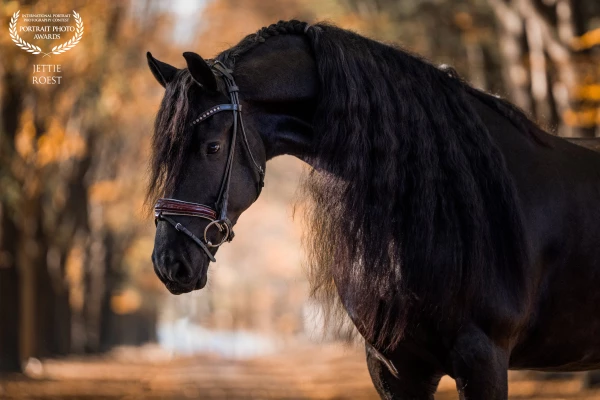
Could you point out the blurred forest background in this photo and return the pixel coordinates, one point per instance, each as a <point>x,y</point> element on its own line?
<point>75,244</point>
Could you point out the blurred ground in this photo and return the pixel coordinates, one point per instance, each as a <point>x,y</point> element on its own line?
<point>307,371</point>
<point>75,245</point>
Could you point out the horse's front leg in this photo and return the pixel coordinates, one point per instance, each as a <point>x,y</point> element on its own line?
<point>479,367</point>
<point>406,378</point>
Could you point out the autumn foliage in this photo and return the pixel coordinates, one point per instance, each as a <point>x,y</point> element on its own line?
<point>75,242</point>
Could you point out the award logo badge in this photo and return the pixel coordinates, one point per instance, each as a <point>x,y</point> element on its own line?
<point>46,27</point>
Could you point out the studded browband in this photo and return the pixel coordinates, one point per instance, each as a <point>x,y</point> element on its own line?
<point>216,109</point>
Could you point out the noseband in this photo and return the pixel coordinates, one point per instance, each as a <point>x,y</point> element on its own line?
<point>217,215</point>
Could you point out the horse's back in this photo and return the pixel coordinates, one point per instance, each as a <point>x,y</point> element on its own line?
<point>589,143</point>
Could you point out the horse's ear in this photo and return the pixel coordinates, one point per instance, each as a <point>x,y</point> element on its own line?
<point>200,71</point>
<point>163,72</point>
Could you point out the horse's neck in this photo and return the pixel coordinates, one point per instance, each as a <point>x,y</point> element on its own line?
<point>278,81</point>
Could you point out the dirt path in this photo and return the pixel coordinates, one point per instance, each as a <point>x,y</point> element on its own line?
<point>309,372</point>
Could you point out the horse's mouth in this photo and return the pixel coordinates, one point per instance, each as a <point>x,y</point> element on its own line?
<point>177,289</point>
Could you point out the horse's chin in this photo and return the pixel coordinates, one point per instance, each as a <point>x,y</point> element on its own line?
<point>201,282</point>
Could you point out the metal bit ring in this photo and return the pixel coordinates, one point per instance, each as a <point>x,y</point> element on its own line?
<point>221,226</point>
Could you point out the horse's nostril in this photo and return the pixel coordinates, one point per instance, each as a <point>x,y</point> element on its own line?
<point>180,273</point>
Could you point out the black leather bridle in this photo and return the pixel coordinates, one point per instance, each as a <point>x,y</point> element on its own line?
<point>217,215</point>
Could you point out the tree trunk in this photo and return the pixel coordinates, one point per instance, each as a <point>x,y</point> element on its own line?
<point>10,360</point>
<point>11,104</point>
<point>53,315</point>
<point>511,40</point>
<point>95,289</point>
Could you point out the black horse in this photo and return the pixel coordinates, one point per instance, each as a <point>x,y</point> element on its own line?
<point>459,237</point>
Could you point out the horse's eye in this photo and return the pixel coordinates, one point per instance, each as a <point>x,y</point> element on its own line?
<point>213,148</point>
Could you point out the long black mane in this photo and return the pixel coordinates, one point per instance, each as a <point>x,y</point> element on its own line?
<point>170,143</point>
<point>417,212</point>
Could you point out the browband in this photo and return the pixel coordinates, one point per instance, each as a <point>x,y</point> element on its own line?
<point>217,109</point>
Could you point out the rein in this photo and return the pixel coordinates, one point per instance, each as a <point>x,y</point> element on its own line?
<point>217,215</point>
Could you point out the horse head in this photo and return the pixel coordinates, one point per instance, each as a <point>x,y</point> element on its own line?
<point>218,124</point>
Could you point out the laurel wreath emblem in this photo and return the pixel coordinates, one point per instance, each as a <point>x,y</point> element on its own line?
<point>74,40</point>
<point>12,29</point>
<point>33,49</point>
